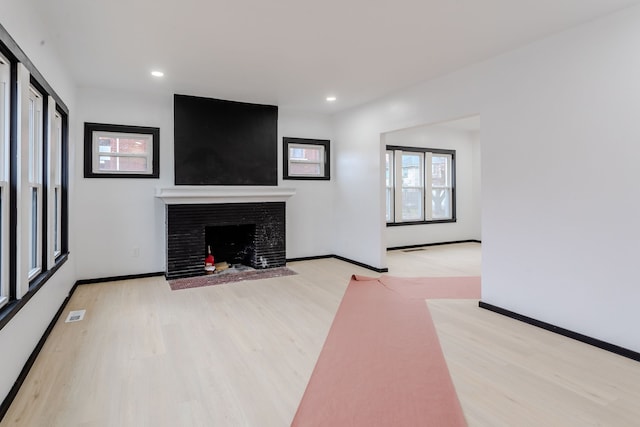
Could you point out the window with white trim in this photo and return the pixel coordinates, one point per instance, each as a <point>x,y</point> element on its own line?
<point>33,172</point>
<point>441,186</point>
<point>119,151</point>
<point>5,100</point>
<point>306,159</point>
<point>411,168</point>
<point>56,183</point>
<point>35,181</point>
<point>419,185</point>
<point>390,203</point>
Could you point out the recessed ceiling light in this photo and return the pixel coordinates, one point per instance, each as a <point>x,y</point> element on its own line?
<point>331,98</point>
<point>157,73</point>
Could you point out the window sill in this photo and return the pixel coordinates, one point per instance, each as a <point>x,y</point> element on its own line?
<point>435,221</point>
<point>13,307</point>
<point>308,178</point>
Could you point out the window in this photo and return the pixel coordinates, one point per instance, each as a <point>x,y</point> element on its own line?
<point>419,185</point>
<point>5,99</point>
<point>389,185</point>
<point>118,151</point>
<point>412,183</point>
<point>306,159</point>
<point>35,181</point>
<point>441,188</point>
<point>55,187</point>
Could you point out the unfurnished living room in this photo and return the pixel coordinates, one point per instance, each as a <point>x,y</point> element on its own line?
<point>290,213</point>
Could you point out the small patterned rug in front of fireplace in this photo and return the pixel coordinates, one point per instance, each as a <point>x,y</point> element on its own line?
<point>219,279</point>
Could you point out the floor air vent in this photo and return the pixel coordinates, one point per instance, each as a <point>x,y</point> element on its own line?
<point>75,316</point>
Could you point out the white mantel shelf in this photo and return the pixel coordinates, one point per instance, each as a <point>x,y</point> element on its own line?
<point>192,194</point>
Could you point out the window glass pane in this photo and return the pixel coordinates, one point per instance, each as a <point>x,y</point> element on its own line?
<point>412,183</point>
<point>304,169</point>
<point>440,170</point>
<point>306,160</point>
<point>412,204</point>
<point>441,203</point>
<point>32,138</point>
<point>4,116</point>
<point>412,170</point>
<point>35,136</point>
<point>388,168</point>
<point>122,164</point>
<point>56,220</point>
<point>4,151</point>
<point>57,178</point>
<point>309,154</point>
<point>129,145</point>
<point>105,144</point>
<point>34,228</point>
<point>296,153</point>
<point>389,203</point>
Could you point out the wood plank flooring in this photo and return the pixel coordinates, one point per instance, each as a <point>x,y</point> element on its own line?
<point>241,355</point>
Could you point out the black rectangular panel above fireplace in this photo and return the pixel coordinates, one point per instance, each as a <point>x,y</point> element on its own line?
<point>218,142</point>
<point>187,235</point>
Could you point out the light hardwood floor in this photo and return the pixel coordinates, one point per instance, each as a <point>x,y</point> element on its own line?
<point>241,355</point>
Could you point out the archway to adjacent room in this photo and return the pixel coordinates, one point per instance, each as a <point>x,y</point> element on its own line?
<point>432,184</point>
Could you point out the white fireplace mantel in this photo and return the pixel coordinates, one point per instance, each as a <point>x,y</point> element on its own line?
<point>192,194</point>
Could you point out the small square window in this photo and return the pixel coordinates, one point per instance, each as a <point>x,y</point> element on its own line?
<point>306,159</point>
<point>116,151</point>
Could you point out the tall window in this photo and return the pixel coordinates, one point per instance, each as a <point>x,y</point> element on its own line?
<point>412,182</point>
<point>35,181</point>
<point>441,186</point>
<point>56,182</point>
<point>389,185</point>
<point>419,185</point>
<point>5,98</point>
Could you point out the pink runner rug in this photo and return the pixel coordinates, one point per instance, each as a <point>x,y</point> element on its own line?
<point>381,364</point>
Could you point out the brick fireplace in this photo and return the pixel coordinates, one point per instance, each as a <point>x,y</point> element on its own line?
<point>239,223</point>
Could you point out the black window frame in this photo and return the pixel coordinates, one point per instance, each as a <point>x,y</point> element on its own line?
<point>325,143</point>
<point>452,153</point>
<point>89,128</point>
<point>15,55</point>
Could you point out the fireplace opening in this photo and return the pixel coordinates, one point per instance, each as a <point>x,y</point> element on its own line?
<point>233,244</point>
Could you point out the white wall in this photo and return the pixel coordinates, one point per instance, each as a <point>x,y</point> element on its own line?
<point>359,197</point>
<point>476,218</point>
<point>310,212</point>
<point>20,336</point>
<point>116,216</point>
<point>467,225</point>
<point>119,218</point>
<point>559,174</point>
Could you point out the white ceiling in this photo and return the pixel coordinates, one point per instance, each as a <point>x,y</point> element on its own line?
<point>294,53</point>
